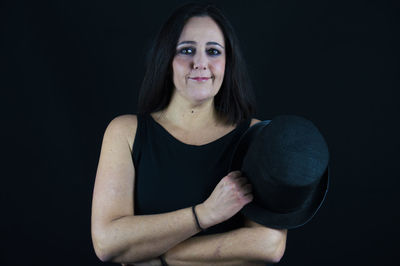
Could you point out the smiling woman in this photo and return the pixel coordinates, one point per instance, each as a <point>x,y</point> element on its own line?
<point>199,65</point>
<point>164,193</point>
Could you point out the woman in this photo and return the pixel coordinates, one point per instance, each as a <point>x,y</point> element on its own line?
<point>163,175</point>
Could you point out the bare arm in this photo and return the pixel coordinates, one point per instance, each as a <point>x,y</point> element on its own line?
<point>136,238</point>
<point>244,246</point>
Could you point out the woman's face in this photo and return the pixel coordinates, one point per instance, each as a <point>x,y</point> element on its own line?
<point>199,63</point>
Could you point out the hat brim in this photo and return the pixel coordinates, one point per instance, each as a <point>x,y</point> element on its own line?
<point>293,219</point>
<point>266,217</point>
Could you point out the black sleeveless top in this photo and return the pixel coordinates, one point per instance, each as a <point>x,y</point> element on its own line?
<point>172,175</point>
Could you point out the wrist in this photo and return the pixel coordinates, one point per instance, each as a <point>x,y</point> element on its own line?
<point>204,216</point>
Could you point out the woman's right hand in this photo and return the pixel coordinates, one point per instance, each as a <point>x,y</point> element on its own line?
<point>228,197</point>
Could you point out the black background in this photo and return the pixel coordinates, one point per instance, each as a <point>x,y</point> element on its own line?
<point>68,68</point>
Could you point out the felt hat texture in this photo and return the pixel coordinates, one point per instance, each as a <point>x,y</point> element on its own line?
<point>286,161</point>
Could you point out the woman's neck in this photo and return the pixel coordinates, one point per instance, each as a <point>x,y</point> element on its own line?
<point>187,115</point>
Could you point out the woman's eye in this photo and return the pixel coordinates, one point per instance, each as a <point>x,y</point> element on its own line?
<point>187,51</point>
<point>213,52</point>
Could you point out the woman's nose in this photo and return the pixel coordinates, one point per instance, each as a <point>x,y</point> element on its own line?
<point>200,62</point>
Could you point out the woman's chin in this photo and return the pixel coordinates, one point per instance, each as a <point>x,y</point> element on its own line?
<point>201,96</point>
<point>199,99</point>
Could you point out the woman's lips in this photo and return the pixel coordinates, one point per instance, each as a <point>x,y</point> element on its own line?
<point>200,79</point>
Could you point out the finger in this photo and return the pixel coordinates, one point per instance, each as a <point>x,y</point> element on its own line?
<point>247,189</point>
<point>242,181</point>
<point>235,174</point>
<point>249,198</point>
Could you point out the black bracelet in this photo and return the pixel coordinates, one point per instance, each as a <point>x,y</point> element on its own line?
<point>163,262</point>
<point>197,219</point>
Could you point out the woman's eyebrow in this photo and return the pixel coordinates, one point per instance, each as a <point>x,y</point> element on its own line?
<point>215,43</point>
<point>193,42</point>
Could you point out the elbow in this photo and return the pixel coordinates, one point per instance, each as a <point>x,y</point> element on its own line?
<point>102,246</point>
<point>109,250</point>
<point>274,245</point>
<point>279,251</point>
<point>104,257</point>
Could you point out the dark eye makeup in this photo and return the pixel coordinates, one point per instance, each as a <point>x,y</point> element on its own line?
<point>213,52</point>
<point>187,50</point>
<point>192,51</point>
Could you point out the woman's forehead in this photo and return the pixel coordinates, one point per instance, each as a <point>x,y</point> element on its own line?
<point>202,29</point>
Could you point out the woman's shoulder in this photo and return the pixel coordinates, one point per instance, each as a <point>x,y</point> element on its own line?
<point>125,125</point>
<point>124,122</point>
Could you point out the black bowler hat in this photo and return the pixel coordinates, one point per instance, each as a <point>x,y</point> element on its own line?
<point>286,161</point>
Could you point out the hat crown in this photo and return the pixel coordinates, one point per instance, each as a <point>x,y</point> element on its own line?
<point>294,151</point>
